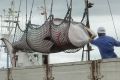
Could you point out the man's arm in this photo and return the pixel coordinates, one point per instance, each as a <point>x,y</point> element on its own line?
<point>93,42</point>
<point>116,43</point>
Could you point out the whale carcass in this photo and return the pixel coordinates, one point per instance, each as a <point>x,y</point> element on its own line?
<point>54,36</point>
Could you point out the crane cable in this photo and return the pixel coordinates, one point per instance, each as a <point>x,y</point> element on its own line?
<point>112,18</point>
<point>67,3</point>
<point>26,11</point>
<point>17,24</point>
<point>31,11</point>
<point>51,10</point>
<point>86,15</point>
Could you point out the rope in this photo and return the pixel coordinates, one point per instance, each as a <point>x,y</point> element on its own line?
<point>20,28</point>
<point>67,3</point>
<point>83,53</point>
<point>67,16</point>
<point>39,26</point>
<point>83,16</point>
<point>17,21</point>
<point>17,24</point>
<point>112,18</point>
<point>51,17</point>
<point>45,12</point>
<point>31,10</point>
<point>51,8</point>
<point>70,4</point>
<point>27,26</point>
<point>86,14</point>
<point>26,11</point>
<point>19,11</point>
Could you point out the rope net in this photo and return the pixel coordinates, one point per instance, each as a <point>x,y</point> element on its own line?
<point>53,36</point>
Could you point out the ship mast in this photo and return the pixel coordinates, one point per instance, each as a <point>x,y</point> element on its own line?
<point>9,19</point>
<point>7,28</point>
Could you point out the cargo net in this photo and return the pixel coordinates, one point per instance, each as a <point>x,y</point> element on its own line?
<point>55,35</point>
<point>51,37</point>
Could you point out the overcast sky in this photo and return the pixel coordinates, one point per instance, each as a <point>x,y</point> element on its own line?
<point>99,16</point>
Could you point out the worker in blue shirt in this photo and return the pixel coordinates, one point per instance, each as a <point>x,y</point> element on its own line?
<point>105,44</point>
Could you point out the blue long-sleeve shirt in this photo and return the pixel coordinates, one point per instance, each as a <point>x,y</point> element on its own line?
<point>106,45</point>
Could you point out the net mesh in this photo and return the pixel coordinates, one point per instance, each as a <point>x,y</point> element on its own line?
<point>51,37</point>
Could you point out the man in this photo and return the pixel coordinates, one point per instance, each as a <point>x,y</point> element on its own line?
<point>105,44</point>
